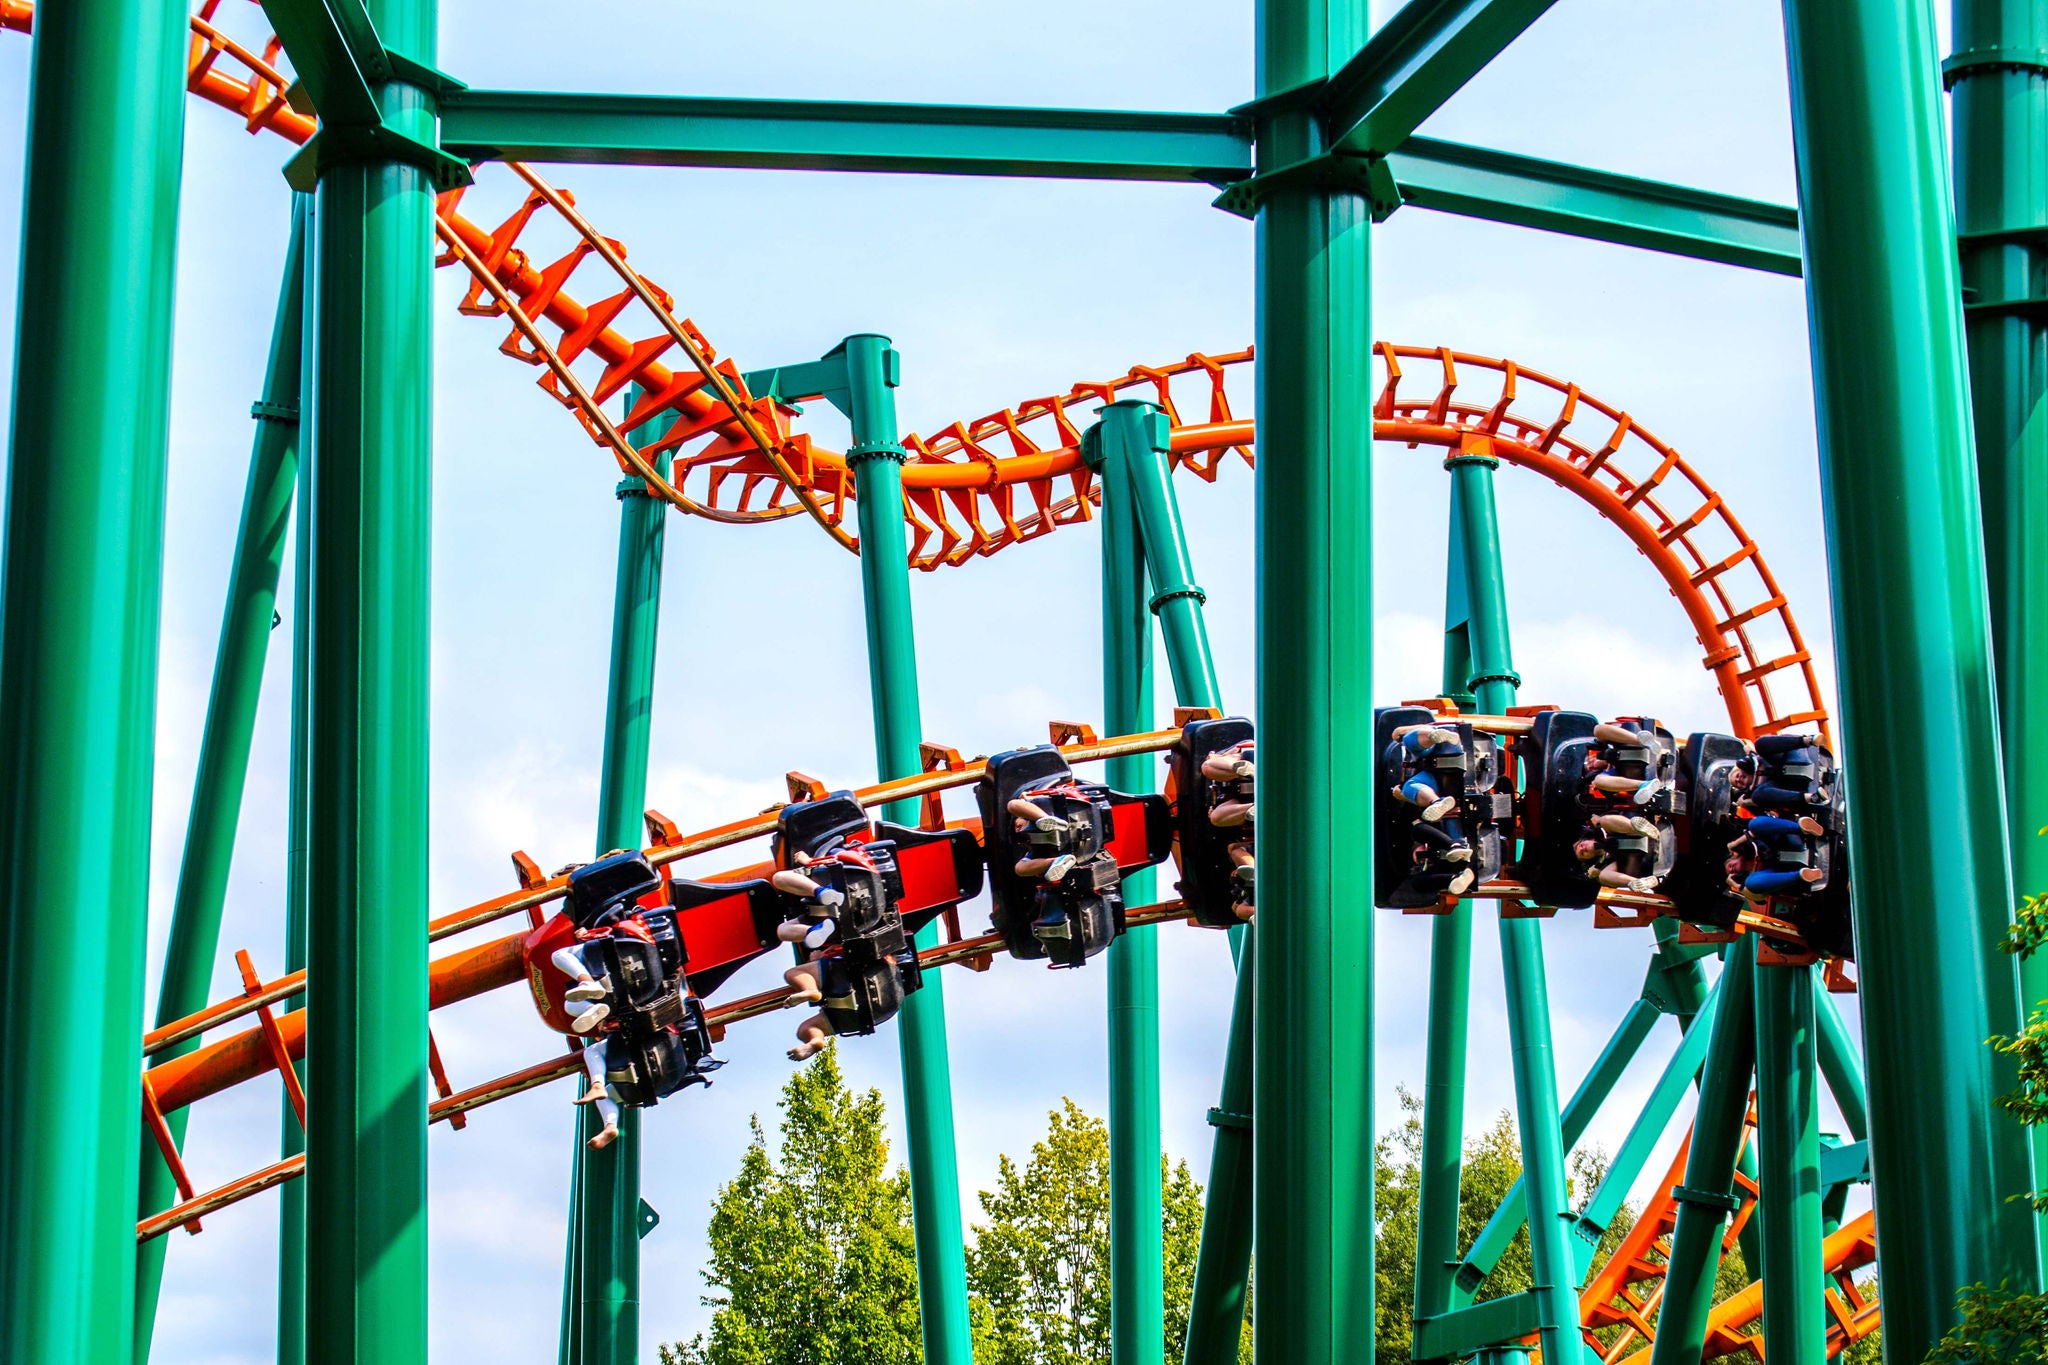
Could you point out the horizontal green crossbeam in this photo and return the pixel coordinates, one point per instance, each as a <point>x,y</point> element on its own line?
<point>1413,63</point>
<point>821,135</point>
<point>1463,1331</point>
<point>1479,183</point>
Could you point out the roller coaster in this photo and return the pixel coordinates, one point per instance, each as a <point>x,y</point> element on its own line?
<point>1730,845</point>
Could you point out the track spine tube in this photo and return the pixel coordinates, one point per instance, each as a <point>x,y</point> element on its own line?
<point>1137,1275</point>
<point>368,455</point>
<point>224,742</point>
<point>291,1216</point>
<point>80,603</point>
<point>1710,1163</point>
<point>872,374</point>
<point>603,1274</point>
<point>1313,1071</point>
<point>1788,1160</point>
<point>1899,485</point>
<point>1999,113</point>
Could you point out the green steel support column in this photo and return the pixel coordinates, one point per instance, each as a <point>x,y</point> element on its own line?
<point>1313,1071</point>
<point>368,454</point>
<point>1912,643</point>
<point>80,592</point>
<point>1999,110</point>
<point>291,1219</point>
<point>604,1256</point>
<point>1842,1068</point>
<point>224,742</point>
<point>1137,1276</point>
<point>1176,601</point>
<point>1705,1200</point>
<point>1788,1161</point>
<point>872,370</point>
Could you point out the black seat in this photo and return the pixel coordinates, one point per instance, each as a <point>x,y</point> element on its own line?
<point>1698,884</point>
<point>1208,878</point>
<point>1402,875</point>
<point>1560,802</point>
<point>1088,900</point>
<point>615,880</point>
<point>647,1064</point>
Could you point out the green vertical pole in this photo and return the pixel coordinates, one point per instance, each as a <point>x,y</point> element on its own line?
<point>368,451</point>
<point>1912,643</point>
<point>291,1218</point>
<point>1788,1162</point>
<point>1137,1277</point>
<point>1478,670</point>
<point>1313,1069</point>
<point>603,1297</point>
<point>873,371</point>
<point>1223,1258</point>
<point>80,592</point>
<point>224,742</point>
<point>1706,1198</point>
<point>1999,110</point>
<point>1842,1068</point>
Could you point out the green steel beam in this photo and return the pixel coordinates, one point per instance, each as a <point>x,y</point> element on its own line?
<point>1507,1220</point>
<point>368,444</point>
<point>1313,1074</point>
<point>80,596</point>
<point>868,371</point>
<point>1137,1304</point>
<point>1999,113</point>
<point>336,53</point>
<point>830,135</point>
<point>1417,60</point>
<point>1500,187</point>
<point>291,1216</point>
<point>1842,1068</point>
<point>224,740</point>
<point>1899,486</point>
<point>1460,1332</point>
<point>1788,1162</point>
<point>1707,1197</point>
<point>1176,600</point>
<point>603,1273</point>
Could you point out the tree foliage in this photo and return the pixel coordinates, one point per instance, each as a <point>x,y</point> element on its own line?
<point>812,1261</point>
<point>1039,1266</point>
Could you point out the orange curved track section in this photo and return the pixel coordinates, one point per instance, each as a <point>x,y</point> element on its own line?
<point>1011,476</point>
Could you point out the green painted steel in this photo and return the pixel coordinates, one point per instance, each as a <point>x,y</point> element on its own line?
<point>1142,449</point>
<point>291,1136</point>
<point>1137,1305</point>
<point>368,456</point>
<point>603,1273</point>
<point>1913,650</point>
<point>1450,1335</point>
<point>1313,1074</point>
<point>1999,113</point>
<point>336,53</point>
<point>1842,1067</point>
<point>1415,61</point>
<point>1543,1169</point>
<point>1223,1260</point>
<point>79,611</point>
<point>872,371</point>
<point>1788,1161</point>
<point>1507,1220</point>
<point>829,135</point>
<point>1500,187</point>
<point>224,742</point>
<point>1706,1199</point>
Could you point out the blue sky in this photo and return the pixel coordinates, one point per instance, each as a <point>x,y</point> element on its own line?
<point>994,292</point>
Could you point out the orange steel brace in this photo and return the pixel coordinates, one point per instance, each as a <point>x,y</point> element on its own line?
<point>280,1055</point>
<point>153,1119</point>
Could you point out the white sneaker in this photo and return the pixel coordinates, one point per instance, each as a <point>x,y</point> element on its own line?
<point>1439,808</point>
<point>586,990</point>
<point>1643,886</point>
<point>1049,823</point>
<point>1645,826</point>
<point>1650,791</point>
<point>831,897</point>
<point>591,1018</point>
<point>1461,883</point>
<point>1460,854</point>
<point>1061,866</point>
<point>817,937</point>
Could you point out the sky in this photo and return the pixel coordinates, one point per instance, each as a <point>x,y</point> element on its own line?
<point>993,291</point>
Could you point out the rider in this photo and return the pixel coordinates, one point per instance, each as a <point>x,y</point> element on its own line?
<point>1417,749</point>
<point>1747,780</point>
<point>1602,769</point>
<point>815,931</point>
<point>596,1061</point>
<point>1765,835</point>
<point>1603,861</point>
<point>1042,830</point>
<point>1233,771</point>
<point>585,999</point>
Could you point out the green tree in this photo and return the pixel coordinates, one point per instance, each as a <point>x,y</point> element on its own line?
<point>1039,1266</point>
<point>811,1254</point>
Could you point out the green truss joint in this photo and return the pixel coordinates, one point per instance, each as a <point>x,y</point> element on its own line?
<point>1366,176</point>
<point>341,145</point>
